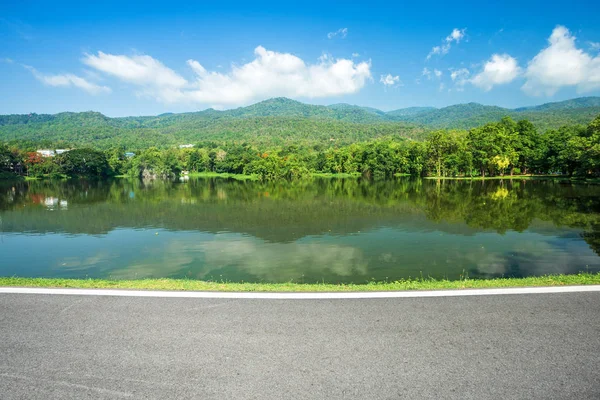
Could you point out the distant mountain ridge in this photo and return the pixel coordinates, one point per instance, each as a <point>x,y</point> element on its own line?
<point>455,116</point>
<point>545,116</point>
<point>282,120</point>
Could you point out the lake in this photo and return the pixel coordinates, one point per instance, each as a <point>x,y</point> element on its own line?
<point>321,230</point>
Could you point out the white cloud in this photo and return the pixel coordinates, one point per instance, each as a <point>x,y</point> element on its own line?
<point>429,73</point>
<point>139,70</point>
<point>355,55</point>
<point>454,37</point>
<point>460,77</point>
<point>68,80</point>
<point>439,50</point>
<point>270,74</point>
<point>561,64</point>
<point>7,60</point>
<point>459,74</point>
<point>595,46</point>
<point>500,69</point>
<point>341,33</point>
<point>426,73</point>
<point>390,80</point>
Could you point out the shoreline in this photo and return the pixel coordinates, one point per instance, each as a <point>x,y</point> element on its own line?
<point>576,179</point>
<point>323,175</point>
<point>210,286</point>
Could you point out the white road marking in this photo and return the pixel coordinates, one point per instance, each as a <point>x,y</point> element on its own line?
<point>302,296</point>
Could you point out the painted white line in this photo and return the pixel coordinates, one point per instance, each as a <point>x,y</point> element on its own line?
<point>302,296</point>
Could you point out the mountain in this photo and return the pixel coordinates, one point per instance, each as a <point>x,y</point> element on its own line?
<point>406,112</point>
<point>466,116</point>
<point>279,121</point>
<point>284,107</point>
<point>457,116</point>
<point>79,129</point>
<point>581,102</point>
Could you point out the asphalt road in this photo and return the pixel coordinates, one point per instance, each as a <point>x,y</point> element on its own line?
<point>543,346</point>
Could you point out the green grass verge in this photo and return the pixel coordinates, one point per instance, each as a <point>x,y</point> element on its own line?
<point>240,177</point>
<point>408,284</point>
<point>519,177</point>
<point>330,175</point>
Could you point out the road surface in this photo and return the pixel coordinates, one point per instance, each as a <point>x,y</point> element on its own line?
<point>527,346</point>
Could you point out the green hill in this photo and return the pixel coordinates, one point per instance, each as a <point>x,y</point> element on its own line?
<point>410,111</point>
<point>545,116</point>
<point>141,132</point>
<point>278,121</point>
<point>579,103</point>
<point>457,116</point>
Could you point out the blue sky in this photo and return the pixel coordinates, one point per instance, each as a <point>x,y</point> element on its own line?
<point>143,58</point>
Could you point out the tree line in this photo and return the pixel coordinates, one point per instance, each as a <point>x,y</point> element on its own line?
<point>500,148</point>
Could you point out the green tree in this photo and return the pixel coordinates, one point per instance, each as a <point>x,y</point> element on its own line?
<point>83,162</point>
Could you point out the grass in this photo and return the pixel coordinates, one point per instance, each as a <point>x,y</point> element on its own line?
<point>240,177</point>
<point>330,175</point>
<point>44,177</point>
<point>521,177</point>
<point>407,284</point>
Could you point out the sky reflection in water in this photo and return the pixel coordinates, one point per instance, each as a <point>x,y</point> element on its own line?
<point>320,230</point>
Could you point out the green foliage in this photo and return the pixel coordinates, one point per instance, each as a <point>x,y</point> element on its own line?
<point>6,158</point>
<point>154,163</point>
<point>275,122</point>
<point>494,149</point>
<point>467,116</point>
<point>272,122</point>
<point>83,162</point>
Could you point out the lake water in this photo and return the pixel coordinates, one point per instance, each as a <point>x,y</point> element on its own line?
<point>312,231</point>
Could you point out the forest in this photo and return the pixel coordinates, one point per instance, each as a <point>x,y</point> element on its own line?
<point>506,147</point>
<point>277,122</point>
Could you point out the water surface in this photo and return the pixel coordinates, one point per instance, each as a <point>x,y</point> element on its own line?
<point>318,230</point>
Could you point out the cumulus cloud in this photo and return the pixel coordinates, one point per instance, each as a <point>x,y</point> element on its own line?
<point>139,70</point>
<point>340,33</point>
<point>500,69</point>
<point>270,74</point>
<point>68,80</point>
<point>390,80</point>
<point>595,46</point>
<point>561,64</point>
<point>454,37</point>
